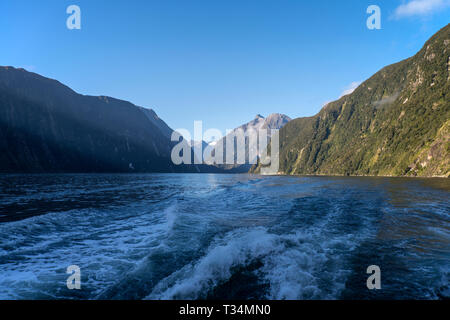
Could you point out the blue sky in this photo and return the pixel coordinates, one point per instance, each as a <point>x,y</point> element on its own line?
<point>219,61</point>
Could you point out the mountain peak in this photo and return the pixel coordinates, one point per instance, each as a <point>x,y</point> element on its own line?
<point>276,121</point>
<point>258,116</point>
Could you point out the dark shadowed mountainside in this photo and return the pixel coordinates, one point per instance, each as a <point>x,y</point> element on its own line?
<point>47,127</point>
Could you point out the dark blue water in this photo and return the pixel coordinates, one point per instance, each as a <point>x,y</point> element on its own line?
<point>168,236</point>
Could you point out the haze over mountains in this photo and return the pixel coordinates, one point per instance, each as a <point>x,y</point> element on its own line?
<point>273,121</point>
<point>397,123</point>
<point>254,127</point>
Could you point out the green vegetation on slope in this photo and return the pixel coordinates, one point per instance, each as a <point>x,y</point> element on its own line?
<point>396,123</point>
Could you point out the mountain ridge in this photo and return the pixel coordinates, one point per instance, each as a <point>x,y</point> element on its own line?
<point>46,126</point>
<point>273,121</point>
<point>396,123</point>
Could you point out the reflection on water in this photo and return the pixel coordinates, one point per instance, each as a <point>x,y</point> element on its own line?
<point>164,236</point>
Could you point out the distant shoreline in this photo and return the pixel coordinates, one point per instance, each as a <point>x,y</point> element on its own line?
<point>355,176</point>
<point>225,173</point>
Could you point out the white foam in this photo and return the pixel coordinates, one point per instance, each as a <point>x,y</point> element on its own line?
<point>238,248</point>
<point>293,265</point>
<point>104,245</point>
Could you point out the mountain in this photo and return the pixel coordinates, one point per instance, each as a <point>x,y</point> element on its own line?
<point>158,122</point>
<point>276,121</point>
<point>397,123</point>
<point>47,127</point>
<point>273,121</point>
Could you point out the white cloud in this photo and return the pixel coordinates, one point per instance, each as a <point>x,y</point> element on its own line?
<point>326,102</point>
<point>349,89</point>
<point>352,87</point>
<point>420,7</point>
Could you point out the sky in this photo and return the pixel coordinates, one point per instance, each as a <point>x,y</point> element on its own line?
<point>218,61</point>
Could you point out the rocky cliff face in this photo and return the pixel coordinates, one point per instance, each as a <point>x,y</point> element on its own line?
<point>273,121</point>
<point>397,123</point>
<point>276,121</point>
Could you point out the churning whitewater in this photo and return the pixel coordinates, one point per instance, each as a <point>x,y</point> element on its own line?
<point>167,236</point>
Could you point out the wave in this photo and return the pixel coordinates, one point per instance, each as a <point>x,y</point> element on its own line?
<point>35,252</point>
<point>293,266</point>
<point>233,237</point>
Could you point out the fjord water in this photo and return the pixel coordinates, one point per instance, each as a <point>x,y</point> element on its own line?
<point>181,236</point>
